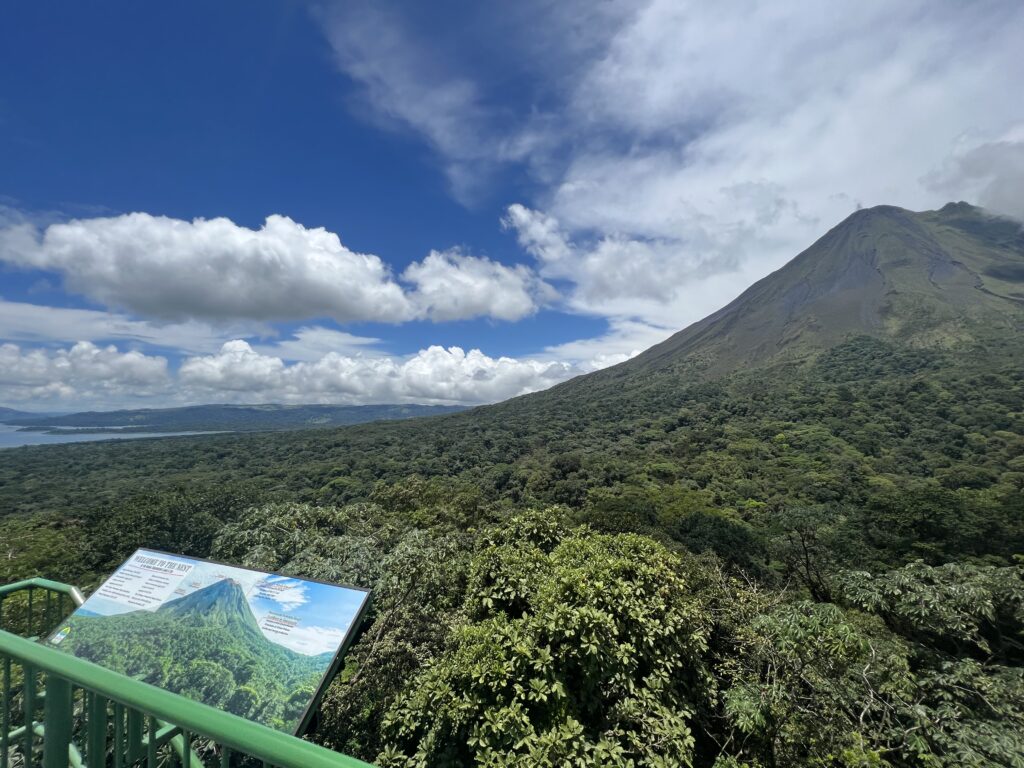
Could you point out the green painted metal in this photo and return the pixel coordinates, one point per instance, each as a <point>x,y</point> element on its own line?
<point>118,735</point>
<point>95,727</point>
<point>36,614</point>
<point>49,586</point>
<point>144,718</point>
<point>151,742</point>
<point>5,716</point>
<point>135,745</point>
<point>58,718</point>
<point>29,712</point>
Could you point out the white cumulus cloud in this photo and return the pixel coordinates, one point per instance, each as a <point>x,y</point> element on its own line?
<point>216,271</point>
<point>312,640</point>
<point>89,376</point>
<point>83,371</point>
<point>453,285</point>
<point>433,375</point>
<point>212,269</point>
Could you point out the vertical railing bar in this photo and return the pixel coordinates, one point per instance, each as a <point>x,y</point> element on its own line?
<point>225,757</point>
<point>71,710</point>
<point>29,691</point>
<point>135,726</point>
<point>186,755</point>
<point>57,722</point>
<point>151,744</point>
<point>96,731</point>
<point>118,735</point>
<point>47,614</point>
<point>86,709</point>
<point>5,719</point>
<point>31,592</point>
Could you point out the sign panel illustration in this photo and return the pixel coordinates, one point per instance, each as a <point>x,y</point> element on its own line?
<point>258,645</point>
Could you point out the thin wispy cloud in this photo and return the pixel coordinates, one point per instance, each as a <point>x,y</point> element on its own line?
<point>696,140</point>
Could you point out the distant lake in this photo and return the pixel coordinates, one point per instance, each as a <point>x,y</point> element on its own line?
<point>10,437</point>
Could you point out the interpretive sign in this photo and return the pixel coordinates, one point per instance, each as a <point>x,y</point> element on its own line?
<point>255,644</point>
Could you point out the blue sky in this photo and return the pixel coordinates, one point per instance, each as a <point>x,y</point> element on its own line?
<point>450,202</point>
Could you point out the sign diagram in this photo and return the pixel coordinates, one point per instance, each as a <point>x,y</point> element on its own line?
<point>258,645</point>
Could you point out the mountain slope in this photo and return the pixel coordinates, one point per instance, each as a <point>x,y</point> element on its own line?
<point>221,604</point>
<point>937,278</point>
<point>6,414</point>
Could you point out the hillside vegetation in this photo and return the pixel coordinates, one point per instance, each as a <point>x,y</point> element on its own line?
<point>790,535</point>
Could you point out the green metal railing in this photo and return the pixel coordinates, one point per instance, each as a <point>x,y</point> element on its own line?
<point>60,711</point>
<point>32,607</point>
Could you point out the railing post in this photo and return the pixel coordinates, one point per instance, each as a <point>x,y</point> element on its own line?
<point>56,722</point>
<point>5,714</point>
<point>96,729</point>
<point>29,709</point>
<point>135,726</point>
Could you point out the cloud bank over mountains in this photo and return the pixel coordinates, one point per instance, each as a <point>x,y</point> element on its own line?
<point>197,282</point>
<point>433,375</point>
<point>83,370</point>
<point>238,373</point>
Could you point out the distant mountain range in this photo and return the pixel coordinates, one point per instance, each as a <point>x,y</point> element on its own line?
<point>11,413</point>
<point>220,418</point>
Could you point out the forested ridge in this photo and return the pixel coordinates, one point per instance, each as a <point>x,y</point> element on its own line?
<point>811,557</point>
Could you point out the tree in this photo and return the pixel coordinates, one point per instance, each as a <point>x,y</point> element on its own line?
<point>577,648</point>
<point>204,681</point>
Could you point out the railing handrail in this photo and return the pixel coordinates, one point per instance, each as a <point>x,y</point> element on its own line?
<point>232,731</point>
<point>52,586</point>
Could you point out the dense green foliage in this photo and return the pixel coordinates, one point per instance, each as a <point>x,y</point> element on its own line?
<point>868,425</point>
<point>856,602</point>
<point>528,640</point>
